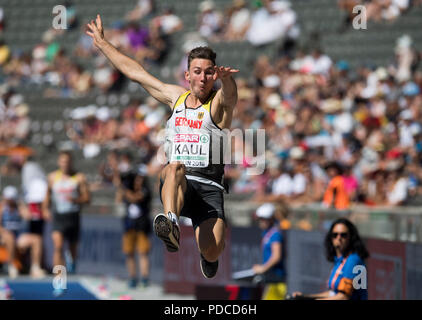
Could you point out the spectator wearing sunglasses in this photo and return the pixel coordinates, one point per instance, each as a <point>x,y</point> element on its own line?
<point>346,250</point>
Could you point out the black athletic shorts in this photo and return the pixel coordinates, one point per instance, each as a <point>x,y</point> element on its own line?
<point>36,227</point>
<point>68,225</point>
<point>201,202</point>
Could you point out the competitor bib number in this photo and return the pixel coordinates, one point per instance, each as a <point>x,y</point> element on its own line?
<point>191,149</point>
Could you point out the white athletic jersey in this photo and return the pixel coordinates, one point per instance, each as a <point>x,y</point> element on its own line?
<point>63,189</point>
<point>189,136</point>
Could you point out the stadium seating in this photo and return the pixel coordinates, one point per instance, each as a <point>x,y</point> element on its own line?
<point>28,19</point>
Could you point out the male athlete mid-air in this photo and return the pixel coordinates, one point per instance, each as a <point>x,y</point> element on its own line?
<point>190,184</point>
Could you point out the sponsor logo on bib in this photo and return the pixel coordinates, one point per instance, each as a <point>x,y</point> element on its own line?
<point>191,149</point>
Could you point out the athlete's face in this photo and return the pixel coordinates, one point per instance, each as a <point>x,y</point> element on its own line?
<point>64,163</point>
<point>340,237</point>
<point>201,77</point>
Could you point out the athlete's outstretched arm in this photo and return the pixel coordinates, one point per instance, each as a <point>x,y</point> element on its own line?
<point>163,92</point>
<point>227,95</point>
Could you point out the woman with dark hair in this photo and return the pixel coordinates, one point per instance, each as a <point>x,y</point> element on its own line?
<point>345,248</point>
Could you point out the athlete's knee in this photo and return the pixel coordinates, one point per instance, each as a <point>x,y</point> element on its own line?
<point>175,170</point>
<point>23,243</point>
<point>57,244</point>
<point>143,256</point>
<point>58,248</point>
<point>8,237</point>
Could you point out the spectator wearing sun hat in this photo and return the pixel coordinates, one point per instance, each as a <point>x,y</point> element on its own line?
<point>272,268</point>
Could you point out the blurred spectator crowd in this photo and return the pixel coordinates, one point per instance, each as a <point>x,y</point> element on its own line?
<point>91,128</point>
<point>377,10</point>
<point>335,135</point>
<point>143,34</point>
<point>14,120</point>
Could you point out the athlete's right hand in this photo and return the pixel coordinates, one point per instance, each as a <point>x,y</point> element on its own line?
<point>97,31</point>
<point>297,294</point>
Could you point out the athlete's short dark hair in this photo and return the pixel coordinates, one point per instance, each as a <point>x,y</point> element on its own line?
<point>66,153</point>
<point>202,53</point>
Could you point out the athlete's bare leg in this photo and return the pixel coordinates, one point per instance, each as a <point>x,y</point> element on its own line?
<point>58,258</point>
<point>34,242</point>
<point>131,265</point>
<point>174,187</point>
<point>144,265</point>
<point>210,237</point>
<point>36,251</point>
<point>73,249</point>
<point>9,241</point>
<point>172,194</point>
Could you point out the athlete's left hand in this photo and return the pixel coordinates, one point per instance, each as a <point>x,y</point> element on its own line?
<point>258,268</point>
<point>96,31</point>
<point>223,72</point>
